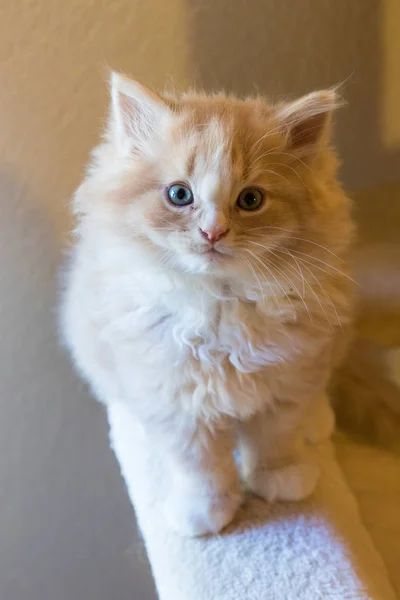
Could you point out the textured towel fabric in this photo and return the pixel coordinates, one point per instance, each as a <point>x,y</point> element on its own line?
<point>315,550</point>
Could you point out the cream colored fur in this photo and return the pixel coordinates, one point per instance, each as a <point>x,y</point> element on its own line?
<point>214,347</point>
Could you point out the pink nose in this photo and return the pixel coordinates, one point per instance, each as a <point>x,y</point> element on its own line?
<point>213,235</point>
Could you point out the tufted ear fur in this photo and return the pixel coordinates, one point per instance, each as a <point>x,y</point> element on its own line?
<point>307,121</point>
<point>137,113</point>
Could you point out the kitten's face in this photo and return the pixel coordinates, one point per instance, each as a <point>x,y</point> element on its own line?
<point>215,185</point>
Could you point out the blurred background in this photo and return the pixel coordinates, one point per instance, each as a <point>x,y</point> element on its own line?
<point>66,527</point>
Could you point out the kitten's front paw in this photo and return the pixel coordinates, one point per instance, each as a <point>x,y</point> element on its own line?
<point>291,483</point>
<point>194,515</point>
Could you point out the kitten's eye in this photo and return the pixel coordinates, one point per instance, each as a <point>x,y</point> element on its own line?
<point>180,194</point>
<point>250,199</point>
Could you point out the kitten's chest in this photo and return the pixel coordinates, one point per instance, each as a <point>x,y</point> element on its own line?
<point>209,334</point>
<point>224,333</point>
<point>211,356</point>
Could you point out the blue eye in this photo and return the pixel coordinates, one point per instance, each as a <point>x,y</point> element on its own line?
<point>180,195</point>
<point>250,199</point>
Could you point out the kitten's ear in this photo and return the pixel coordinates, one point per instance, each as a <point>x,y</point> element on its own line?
<point>136,113</point>
<point>307,121</point>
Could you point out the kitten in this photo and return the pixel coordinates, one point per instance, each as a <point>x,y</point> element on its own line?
<point>209,288</point>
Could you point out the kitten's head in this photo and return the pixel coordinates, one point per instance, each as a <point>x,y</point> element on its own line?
<point>215,184</point>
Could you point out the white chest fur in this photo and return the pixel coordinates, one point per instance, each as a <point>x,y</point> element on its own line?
<point>175,346</point>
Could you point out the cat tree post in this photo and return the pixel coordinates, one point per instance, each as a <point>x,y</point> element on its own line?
<point>318,549</point>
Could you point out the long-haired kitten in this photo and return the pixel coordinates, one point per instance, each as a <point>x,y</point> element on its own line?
<point>208,289</point>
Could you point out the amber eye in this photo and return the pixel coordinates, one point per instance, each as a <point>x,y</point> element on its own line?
<point>250,199</point>
<point>180,194</point>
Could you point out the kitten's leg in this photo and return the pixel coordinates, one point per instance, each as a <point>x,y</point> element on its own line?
<point>205,489</point>
<point>319,422</point>
<point>272,466</point>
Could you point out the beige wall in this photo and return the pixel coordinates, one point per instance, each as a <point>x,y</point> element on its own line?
<point>391,74</point>
<point>64,519</point>
<point>54,56</point>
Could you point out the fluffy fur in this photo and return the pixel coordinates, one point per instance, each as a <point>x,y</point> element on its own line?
<point>214,346</point>
<point>365,396</point>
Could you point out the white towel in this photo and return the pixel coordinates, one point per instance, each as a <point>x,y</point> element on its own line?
<point>318,549</point>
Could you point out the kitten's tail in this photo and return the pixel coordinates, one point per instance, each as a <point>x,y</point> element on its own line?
<point>366,398</point>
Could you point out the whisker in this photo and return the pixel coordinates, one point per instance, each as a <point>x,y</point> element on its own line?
<point>294,238</point>
<point>301,273</point>
<point>304,281</point>
<point>297,273</point>
<point>294,286</point>
<point>320,286</point>
<point>263,276</point>
<point>273,276</point>
<point>288,167</point>
<point>299,270</point>
<point>272,131</point>
<point>328,298</point>
<point>255,276</point>
<point>275,173</point>
<point>314,293</point>
<point>294,157</point>
<point>266,135</point>
<point>324,263</point>
<point>269,152</point>
<point>166,260</point>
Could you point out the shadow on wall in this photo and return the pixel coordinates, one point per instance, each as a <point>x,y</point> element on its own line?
<point>66,526</point>
<point>290,48</point>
